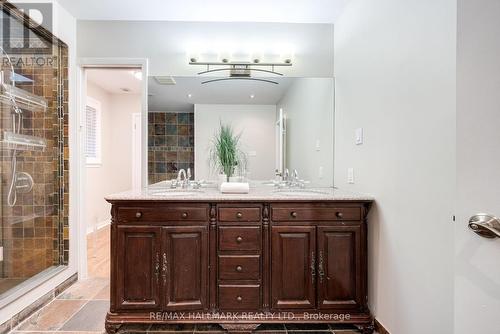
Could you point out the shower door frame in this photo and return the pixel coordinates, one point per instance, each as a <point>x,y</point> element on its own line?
<point>78,147</point>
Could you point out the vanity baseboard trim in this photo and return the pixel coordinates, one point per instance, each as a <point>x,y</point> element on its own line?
<point>171,260</point>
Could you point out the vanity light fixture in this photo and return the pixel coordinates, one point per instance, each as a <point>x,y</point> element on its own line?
<point>240,70</point>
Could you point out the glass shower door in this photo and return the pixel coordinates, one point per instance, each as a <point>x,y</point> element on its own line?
<point>33,159</point>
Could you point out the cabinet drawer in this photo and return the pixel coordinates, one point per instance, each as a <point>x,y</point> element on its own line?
<point>233,238</point>
<point>315,214</point>
<point>242,267</point>
<point>160,214</point>
<point>239,297</point>
<point>239,214</point>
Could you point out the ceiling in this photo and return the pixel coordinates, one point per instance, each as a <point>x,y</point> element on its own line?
<point>115,80</point>
<point>296,11</point>
<point>175,97</point>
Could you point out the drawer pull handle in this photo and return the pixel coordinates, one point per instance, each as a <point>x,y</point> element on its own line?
<point>339,215</point>
<point>293,214</point>
<point>184,215</point>
<point>239,298</point>
<point>239,239</point>
<point>239,215</point>
<point>138,214</point>
<point>239,269</point>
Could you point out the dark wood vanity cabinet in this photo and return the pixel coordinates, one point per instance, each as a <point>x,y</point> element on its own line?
<point>293,267</point>
<point>137,282</point>
<point>184,268</point>
<point>287,262</point>
<point>340,264</point>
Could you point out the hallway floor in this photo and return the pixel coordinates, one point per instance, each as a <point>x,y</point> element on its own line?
<point>82,307</point>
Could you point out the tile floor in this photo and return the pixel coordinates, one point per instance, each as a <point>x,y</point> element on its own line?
<point>83,306</point>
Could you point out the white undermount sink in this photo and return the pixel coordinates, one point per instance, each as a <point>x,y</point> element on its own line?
<point>176,192</point>
<point>300,192</point>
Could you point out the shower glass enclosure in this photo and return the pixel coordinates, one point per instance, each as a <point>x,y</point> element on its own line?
<point>33,154</point>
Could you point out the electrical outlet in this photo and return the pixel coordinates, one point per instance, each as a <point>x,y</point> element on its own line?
<point>350,175</point>
<point>318,145</point>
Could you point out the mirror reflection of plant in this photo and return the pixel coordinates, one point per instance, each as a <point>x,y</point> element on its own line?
<point>225,153</point>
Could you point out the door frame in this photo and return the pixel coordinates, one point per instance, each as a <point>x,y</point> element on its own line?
<point>137,174</point>
<point>84,64</point>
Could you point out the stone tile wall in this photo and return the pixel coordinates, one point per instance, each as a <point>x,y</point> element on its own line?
<point>170,145</point>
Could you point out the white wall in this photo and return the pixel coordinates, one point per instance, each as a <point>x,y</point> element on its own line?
<point>114,174</point>
<point>256,123</point>
<point>309,108</point>
<point>395,77</point>
<point>96,186</point>
<point>168,45</point>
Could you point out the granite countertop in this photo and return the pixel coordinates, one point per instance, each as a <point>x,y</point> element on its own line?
<point>258,192</point>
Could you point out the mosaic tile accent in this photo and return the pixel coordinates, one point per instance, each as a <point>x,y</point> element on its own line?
<point>35,231</point>
<point>170,145</point>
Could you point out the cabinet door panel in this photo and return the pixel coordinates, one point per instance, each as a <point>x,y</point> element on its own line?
<point>185,253</point>
<point>137,285</point>
<point>339,267</point>
<point>292,263</point>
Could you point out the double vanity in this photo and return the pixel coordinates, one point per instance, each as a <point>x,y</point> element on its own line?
<point>239,260</point>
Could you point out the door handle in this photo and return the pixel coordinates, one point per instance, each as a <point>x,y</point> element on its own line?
<point>485,225</point>
<point>164,268</point>
<point>321,270</point>
<point>157,267</point>
<point>313,268</point>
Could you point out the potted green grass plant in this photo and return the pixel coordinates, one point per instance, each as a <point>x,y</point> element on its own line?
<point>225,154</point>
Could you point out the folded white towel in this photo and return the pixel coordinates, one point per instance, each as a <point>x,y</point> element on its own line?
<point>235,188</point>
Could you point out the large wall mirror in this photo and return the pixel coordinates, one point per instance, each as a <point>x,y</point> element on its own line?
<point>284,125</point>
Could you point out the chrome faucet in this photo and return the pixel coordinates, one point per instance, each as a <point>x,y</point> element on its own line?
<point>296,182</point>
<point>291,181</point>
<point>286,175</point>
<point>182,181</point>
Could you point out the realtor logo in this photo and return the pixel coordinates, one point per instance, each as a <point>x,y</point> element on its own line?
<point>18,35</point>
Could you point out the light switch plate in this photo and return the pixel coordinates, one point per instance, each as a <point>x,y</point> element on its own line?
<point>350,175</point>
<point>320,172</point>
<point>252,153</point>
<point>1,254</point>
<point>359,136</point>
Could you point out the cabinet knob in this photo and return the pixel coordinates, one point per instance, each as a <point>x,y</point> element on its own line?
<point>138,214</point>
<point>184,215</point>
<point>239,298</point>
<point>239,269</point>
<point>293,214</point>
<point>239,239</point>
<point>339,215</point>
<point>239,215</point>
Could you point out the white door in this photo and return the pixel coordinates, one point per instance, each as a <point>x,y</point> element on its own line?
<point>136,150</point>
<point>477,259</point>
